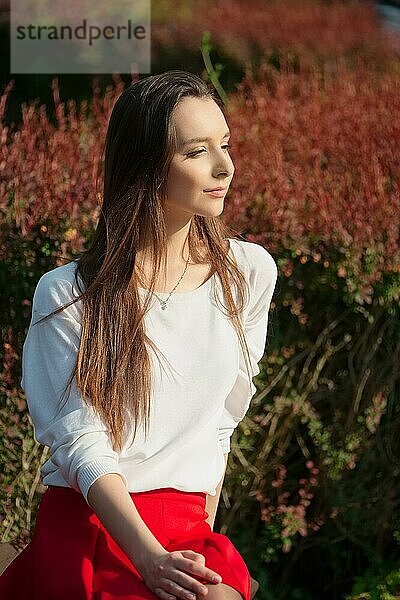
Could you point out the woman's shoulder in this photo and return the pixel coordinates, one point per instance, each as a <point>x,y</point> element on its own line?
<point>254,257</point>
<point>55,287</point>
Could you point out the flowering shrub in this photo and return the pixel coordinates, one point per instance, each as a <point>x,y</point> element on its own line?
<point>318,161</point>
<point>306,31</point>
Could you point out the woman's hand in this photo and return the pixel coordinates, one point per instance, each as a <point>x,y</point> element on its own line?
<point>168,575</point>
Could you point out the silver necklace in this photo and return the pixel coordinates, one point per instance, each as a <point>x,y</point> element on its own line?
<point>164,302</point>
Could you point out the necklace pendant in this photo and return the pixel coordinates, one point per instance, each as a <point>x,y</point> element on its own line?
<point>163,303</point>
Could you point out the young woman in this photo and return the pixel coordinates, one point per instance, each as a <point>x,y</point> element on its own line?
<point>138,366</point>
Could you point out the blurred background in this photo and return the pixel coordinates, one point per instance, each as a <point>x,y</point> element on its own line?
<point>311,91</point>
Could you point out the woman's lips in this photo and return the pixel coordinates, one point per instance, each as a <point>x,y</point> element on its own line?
<point>217,193</point>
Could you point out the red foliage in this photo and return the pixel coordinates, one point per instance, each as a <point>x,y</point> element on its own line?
<point>293,515</point>
<point>307,27</point>
<point>318,161</point>
<point>48,172</point>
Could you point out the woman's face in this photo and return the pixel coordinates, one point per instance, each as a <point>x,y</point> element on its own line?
<point>199,165</point>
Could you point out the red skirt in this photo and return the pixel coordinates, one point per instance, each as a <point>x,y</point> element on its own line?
<point>71,554</point>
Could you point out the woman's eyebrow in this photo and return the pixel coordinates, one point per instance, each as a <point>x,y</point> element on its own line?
<point>200,139</point>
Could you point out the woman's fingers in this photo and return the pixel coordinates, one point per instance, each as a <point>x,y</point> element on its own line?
<point>188,584</point>
<point>164,595</point>
<point>194,556</point>
<point>196,568</point>
<point>172,587</point>
<point>170,576</point>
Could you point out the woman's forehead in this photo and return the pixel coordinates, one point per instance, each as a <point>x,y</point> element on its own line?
<point>197,120</point>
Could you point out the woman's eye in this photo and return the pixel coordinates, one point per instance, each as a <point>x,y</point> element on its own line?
<point>194,153</point>
<point>198,151</point>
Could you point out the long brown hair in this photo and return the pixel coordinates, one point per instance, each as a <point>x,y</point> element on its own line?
<point>113,368</point>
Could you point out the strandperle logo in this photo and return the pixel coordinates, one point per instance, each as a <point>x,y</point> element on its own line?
<point>89,33</point>
<point>93,36</point>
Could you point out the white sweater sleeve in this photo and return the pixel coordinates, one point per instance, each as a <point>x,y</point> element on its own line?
<point>262,276</point>
<point>78,439</point>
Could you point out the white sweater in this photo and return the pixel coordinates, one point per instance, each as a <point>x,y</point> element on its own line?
<point>197,401</point>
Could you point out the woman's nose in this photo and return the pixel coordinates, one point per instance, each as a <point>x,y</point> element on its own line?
<point>226,168</point>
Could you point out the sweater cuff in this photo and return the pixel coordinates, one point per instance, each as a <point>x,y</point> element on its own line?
<point>89,473</point>
<point>225,444</point>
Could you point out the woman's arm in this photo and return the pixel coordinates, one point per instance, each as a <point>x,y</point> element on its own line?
<point>262,275</point>
<point>213,501</point>
<point>110,500</point>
